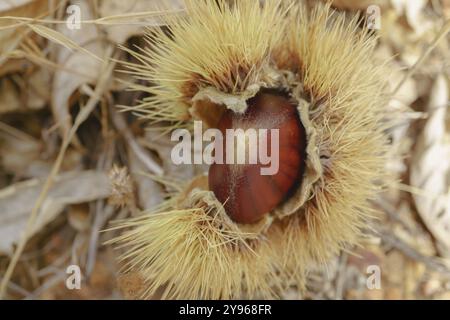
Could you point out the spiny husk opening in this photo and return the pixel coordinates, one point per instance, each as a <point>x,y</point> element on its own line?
<point>327,65</point>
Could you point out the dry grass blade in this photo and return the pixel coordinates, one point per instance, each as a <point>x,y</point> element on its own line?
<point>135,18</point>
<point>441,35</point>
<point>61,39</point>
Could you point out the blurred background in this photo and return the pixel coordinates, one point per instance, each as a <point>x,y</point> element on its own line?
<point>67,154</point>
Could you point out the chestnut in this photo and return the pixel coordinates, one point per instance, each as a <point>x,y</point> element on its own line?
<point>245,192</point>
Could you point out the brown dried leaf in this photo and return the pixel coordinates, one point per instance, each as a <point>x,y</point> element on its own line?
<point>430,166</point>
<point>24,156</point>
<point>357,5</point>
<point>9,96</point>
<point>413,10</point>
<point>11,37</point>
<point>30,93</point>
<point>78,67</point>
<point>150,193</point>
<point>11,4</point>
<point>37,89</point>
<point>163,146</point>
<point>123,19</point>
<point>17,201</point>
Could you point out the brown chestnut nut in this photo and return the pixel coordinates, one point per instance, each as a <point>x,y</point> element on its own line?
<point>246,190</point>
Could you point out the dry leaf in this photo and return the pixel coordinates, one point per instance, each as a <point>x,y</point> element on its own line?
<point>78,67</point>
<point>163,146</point>
<point>150,193</point>
<point>9,96</point>
<point>36,92</point>
<point>407,93</point>
<point>17,201</point>
<point>413,11</point>
<point>446,8</point>
<point>30,93</point>
<point>430,166</point>
<point>22,155</point>
<point>357,5</point>
<point>123,19</point>
<point>11,37</point>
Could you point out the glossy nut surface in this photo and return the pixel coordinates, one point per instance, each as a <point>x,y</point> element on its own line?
<point>245,192</point>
